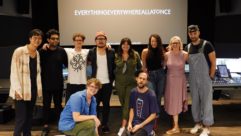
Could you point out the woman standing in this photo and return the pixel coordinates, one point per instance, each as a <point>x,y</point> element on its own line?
<point>153,63</point>
<point>175,100</point>
<point>26,82</point>
<point>127,62</point>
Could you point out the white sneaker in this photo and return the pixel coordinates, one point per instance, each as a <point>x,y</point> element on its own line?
<point>195,129</point>
<point>205,132</point>
<point>121,130</point>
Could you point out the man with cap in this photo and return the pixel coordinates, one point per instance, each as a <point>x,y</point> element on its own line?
<point>202,62</point>
<point>101,59</point>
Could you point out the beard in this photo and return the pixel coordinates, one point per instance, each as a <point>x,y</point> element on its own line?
<point>141,86</point>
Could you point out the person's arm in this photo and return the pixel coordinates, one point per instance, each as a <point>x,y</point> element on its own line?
<point>143,58</point>
<point>212,58</point>
<point>139,64</point>
<point>16,88</point>
<point>78,118</point>
<point>145,122</point>
<point>185,55</point>
<point>131,116</point>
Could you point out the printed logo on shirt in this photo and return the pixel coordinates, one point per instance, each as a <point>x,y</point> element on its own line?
<point>139,107</point>
<point>77,63</point>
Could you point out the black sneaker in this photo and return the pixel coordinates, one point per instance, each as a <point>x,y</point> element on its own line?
<point>105,129</point>
<point>45,131</point>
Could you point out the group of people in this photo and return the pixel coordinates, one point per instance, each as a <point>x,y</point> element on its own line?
<point>141,82</point>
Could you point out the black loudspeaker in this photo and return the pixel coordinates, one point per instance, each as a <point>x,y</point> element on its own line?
<point>225,6</point>
<point>23,6</point>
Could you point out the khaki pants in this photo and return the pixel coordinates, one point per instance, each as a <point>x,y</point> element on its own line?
<point>85,128</point>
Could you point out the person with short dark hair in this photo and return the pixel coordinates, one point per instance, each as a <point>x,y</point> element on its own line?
<point>79,115</point>
<point>202,63</point>
<point>143,107</point>
<point>25,80</point>
<point>52,61</point>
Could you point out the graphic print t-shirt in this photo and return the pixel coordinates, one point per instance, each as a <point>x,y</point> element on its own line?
<point>144,104</point>
<point>77,65</point>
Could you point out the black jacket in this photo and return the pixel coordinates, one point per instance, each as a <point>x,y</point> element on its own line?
<point>110,54</point>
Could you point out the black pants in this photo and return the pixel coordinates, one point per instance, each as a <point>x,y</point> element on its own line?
<point>103,96</point>
<point>23,117</point>
<point>73,88</point>
<point>140,132</point>
<point>47,98</point>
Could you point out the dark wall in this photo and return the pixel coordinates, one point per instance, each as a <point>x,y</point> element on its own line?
<point>14,30</point>
<point>13,33</point>
<point>228,36</point>
<point>202,13</point>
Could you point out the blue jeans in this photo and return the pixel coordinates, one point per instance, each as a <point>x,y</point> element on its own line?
<point>157,83</point>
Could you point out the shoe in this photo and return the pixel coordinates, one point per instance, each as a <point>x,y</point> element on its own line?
<point>205,132</point>
<point>153,133</point>
<point>195,129</point>
<point>121,131</point>
<point>173,131</point>
<point>45,131</point>
<point>105,129</point>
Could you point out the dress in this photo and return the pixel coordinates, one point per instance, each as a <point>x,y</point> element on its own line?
<point>176,88</point>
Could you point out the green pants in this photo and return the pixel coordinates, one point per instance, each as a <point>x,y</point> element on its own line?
<point>85,128</point>
<point>124,97</point>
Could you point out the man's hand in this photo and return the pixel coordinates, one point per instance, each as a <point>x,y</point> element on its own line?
<point>136,127</point>
<point>45,46</point>
<point>97,121</point>
<point>18,96</point>
<point>129,128</point>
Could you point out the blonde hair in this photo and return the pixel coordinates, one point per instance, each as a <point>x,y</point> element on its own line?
<point>95,81</point>
<point>175,38</point>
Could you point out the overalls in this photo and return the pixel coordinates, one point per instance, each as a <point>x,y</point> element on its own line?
<point>201,88</point>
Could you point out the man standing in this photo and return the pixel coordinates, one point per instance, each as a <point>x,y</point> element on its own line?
<point>77,57</point>
<point>79,115</point>
<point>102,60</point>
<point>25,82</point>
<point>143,107</point>
<point>52,61</point>
<point>202,62</point>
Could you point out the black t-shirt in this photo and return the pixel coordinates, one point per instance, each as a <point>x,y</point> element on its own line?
<point>153,60</point>
<point>52,62</point>
<point>208,48</point>
<point>33,76</point>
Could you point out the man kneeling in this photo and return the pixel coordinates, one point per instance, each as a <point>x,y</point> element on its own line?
<point>79,115</point>
<point>143,108</point>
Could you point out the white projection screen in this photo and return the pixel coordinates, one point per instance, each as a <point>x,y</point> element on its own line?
<point>136,19</point>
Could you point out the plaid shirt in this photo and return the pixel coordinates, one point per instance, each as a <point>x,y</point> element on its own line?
<point>20,74</point>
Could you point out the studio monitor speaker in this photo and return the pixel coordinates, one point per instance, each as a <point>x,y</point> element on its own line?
<point>225,6</point>
<point>23,6</point>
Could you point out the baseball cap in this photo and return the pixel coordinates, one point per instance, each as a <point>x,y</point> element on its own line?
<point>193,28</point>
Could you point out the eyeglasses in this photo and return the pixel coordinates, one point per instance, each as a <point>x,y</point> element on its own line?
<point>53,38</point>
<point>176,43</point>
<point>79,40</point>
<point>95,87</point>
<point>100,39</point>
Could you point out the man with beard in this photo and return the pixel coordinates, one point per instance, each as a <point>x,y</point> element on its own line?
<point>143,107</point>
<point>202,62</point>
<point>101,60</point>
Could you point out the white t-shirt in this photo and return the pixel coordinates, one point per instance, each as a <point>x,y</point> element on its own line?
<point>77,62</point>
<point>102,69</point>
